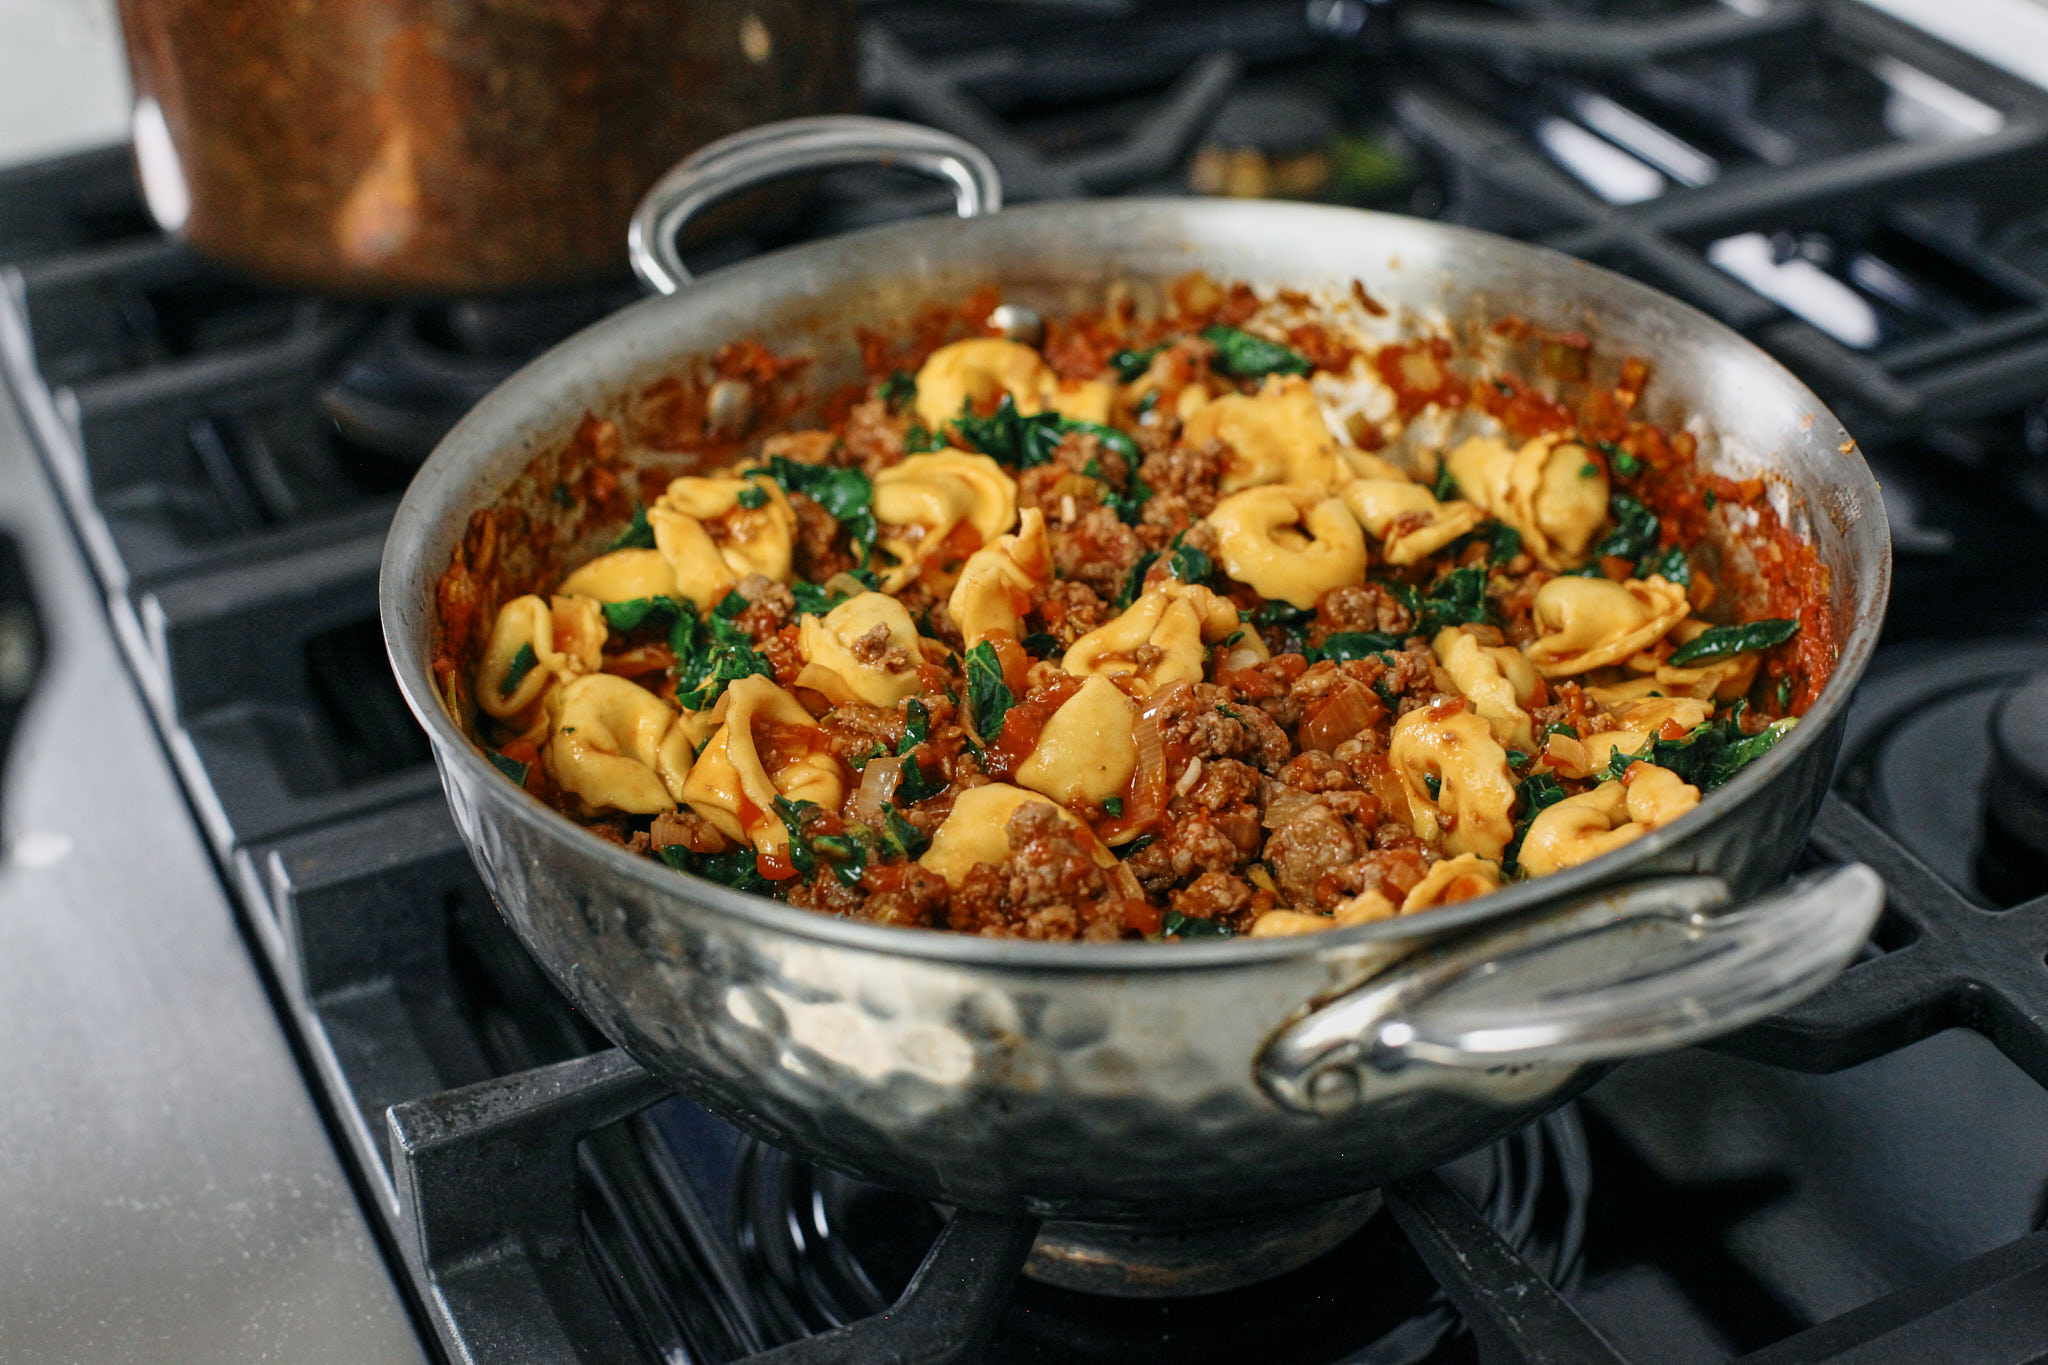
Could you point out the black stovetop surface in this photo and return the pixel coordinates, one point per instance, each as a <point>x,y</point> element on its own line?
<point>1864,1179</point>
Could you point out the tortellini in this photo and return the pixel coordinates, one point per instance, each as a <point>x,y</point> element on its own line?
<point>978,831</point>
<point>564,639</point>
<point>1176,620</point>
<point>922,500</point>
<point>1407,519</point>
<point>1086,750</point>
<point>1277,435</point>
<point>1496,679</point>
<point>1717,679</point>
<point>766,746</point>
<point>1456,778</point>
<point>1551,490</point>
<point>1635,722</point>
<point>998,581</point>
<point>623,576</point>
<point>711,538</point>
<point>1588,623</point>
<point>1290,542</point>
<point>1451,880</point>
<point>980,371</point>
<point>1613,814</point>
<point>863,650</point>
<point>616,746</point>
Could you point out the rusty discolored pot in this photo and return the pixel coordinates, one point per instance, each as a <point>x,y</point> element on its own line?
<point>451,147</point>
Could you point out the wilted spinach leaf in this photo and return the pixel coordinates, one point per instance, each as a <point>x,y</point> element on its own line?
<point>712,652</point>
<point>988,696</point>
<point>1177,925</point>
<point>641,611</point>
<point>523,663</point>
<point>638,535</point>
<point>846,493</point>
<point>1718,642</point>
<point>1241,355</point>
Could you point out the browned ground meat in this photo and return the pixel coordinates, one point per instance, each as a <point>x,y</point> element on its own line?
<point>1183,481</point>
<point>1209,722</point>
<point>818,553</point>
<point>873,436</point>
<point>914,898</point>
<point>855,729</point>
<point>1070,610</point>
<point>1363,606</point>
<point>1096,550</point>
<point>1050,887</point>
<point>1213,895</point>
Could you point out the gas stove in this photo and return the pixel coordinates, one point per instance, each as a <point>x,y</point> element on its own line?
<point>1862,1179</point>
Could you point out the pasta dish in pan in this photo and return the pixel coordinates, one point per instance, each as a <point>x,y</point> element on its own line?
<point>1216,617</point>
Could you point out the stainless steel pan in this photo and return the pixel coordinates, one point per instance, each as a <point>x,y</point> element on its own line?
<point>1150,1082</point>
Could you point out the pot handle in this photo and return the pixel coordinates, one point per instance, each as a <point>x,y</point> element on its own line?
<point>1637,969</point>
<point>791,147</point>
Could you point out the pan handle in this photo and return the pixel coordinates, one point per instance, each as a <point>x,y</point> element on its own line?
<point>1643,968</point>
<point>792,147</point>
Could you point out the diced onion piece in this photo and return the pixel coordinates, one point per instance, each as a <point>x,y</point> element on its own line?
<point>877,785</point>
<point>1350,708</point>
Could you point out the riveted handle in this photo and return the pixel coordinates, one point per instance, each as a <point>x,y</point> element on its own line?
<point>1643,968</point>
<point>792,147</point>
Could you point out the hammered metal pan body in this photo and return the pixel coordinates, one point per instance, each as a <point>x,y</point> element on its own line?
<point>1107,1082</point>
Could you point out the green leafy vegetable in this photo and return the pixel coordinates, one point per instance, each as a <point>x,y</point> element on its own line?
<point>523,663</point>
<point>1708,755</point>
<point>1177,925</point>
<point>1456,599</point>
<point>1291,621</point>
<point>1635,530</point>
<point>753,497</point>
<point>918,441</point>
<point>917,725</point>
<point>1130,364</point>
<point>1009,437</point>
<point>1188,564</point>
<point>511,767</point>
<point>915,786</point>
<point>847,494</point>
<point>641,611</point>
<point>1718,642</point>
<point>1230,712</point>
<point>1517,759</point>
<point>561,495</point>
<point>1558,727</point>
<point>1534,795</point>
<point>843,854</point>
<point>638,535</point>
<point>1624,464</point>
<point>900,838</point>
<point>1241,355</point>
<point>737,868</point>
<point>1346,645</point>
<point>1147,403</point>
<point>1113,806</point>
<point>1435,786</point>
<point>1784,693</point>
<point>1127,503</point>
<point>1506,541</point>
<point>712,652</point>
<point>988,696</point>
<point>1135,584</point>
<point>898,391</point>
<point>1670,562</point>
<point>1041,644</point>
<point>1445,487</point>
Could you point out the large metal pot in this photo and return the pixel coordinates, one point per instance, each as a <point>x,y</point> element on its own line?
<point>451,146</point>
<point>1138,1081</point>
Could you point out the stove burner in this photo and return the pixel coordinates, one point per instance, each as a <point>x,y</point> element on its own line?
<point>820,1250</point>
<point>1927,757</point>
<point>2017,788</point>
<point>423,367</point>
<point>1125,1262</point>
